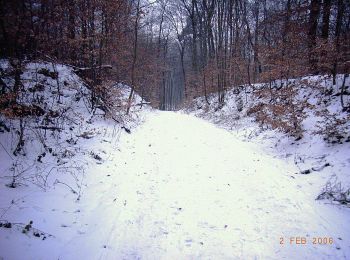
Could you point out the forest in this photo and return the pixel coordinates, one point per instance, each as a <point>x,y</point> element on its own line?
<point>172,51</point>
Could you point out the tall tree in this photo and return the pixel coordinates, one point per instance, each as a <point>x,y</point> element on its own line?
<point>313,23</point>
<point>325,18</point>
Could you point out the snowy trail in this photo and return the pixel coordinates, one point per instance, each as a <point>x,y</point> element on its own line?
<point>186,189</point>
<point>181,188</point>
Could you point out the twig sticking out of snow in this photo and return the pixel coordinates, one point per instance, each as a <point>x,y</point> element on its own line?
<point>72,190</point>
<point>335,192</point>
<point>126,129</point>
<point>6,151</point>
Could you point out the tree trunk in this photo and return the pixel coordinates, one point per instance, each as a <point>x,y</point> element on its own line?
<point>340,14</point>
<point>313,22</point>
<point>136,28</point>
<point>325,18</point>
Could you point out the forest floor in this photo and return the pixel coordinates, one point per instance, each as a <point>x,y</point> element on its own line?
<point>179,187</point>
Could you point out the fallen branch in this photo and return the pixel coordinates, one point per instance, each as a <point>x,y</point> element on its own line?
<point>143,103</point>
<point>52,128</point>
<point>77,70</point>
<point>314,169</point>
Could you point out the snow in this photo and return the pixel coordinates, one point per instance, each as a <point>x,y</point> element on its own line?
<point>311,150</point>
<point>177,187</point>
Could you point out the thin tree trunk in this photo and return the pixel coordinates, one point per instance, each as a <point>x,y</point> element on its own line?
<point>134,56</point>
<point>325,18</point>
<point>314,13</point>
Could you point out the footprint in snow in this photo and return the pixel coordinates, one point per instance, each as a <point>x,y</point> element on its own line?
<point>188,242</point>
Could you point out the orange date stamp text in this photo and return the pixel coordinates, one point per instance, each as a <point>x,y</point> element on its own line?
<point>299,240</point>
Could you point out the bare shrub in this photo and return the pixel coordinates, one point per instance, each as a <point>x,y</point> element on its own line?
<point>333,128</point>
<point>334,191</point>
<point>280,109</point>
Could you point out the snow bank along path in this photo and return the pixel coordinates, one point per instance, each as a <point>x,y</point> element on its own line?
<point>181,188</point>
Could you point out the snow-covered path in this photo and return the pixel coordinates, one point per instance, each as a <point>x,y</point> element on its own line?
<point>181,188</point>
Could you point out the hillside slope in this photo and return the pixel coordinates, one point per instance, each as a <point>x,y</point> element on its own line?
<point>320,148</point>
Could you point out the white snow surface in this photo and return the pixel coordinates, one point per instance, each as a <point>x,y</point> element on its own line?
<point>178,187</point>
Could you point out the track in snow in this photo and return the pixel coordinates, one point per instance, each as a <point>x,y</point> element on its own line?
<point>181,188</point>
<point>187,189</point>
